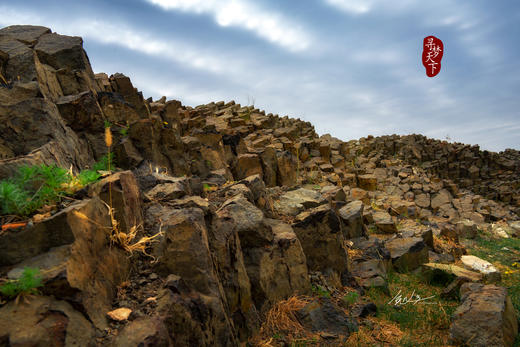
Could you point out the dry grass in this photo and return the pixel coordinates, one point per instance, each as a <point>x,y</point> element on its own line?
<point>376,331</point>
<point>282,317</point>
<point>281,320</point>
<point>122,239</point>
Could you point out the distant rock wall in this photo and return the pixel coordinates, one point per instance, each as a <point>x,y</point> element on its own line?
<point>492,175</point>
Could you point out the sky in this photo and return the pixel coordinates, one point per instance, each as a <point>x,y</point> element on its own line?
<point>352,68</point>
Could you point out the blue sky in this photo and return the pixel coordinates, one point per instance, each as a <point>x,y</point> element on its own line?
<point>350,67</point>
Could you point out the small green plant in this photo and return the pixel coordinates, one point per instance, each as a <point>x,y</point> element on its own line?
<point>12,198</point>
<point>123,131</point>
<point>320,291</point>
<point>33,187</point>
<point>27,284</point>
<point>350,298</point>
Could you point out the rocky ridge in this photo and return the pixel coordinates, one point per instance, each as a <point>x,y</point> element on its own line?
<point>252,209</point>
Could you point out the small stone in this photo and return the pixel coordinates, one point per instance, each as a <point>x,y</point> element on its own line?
<point>120,314</point>
<point>490,273</point>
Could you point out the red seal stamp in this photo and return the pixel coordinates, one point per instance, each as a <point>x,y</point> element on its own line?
<point>433,50</point>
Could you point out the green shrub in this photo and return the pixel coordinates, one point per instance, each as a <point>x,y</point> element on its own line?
<point>26,284</point>
<point>12,198</point>
<point>351,298</point>
<point>86,177</point>
<point>320,291</point>
<point>33,187</point>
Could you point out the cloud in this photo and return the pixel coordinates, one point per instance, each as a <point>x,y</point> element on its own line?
<point>351,6</point>
<point>268,25</point>
<point>135,39</point>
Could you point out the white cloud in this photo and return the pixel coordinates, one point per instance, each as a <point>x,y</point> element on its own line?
<point>119,34</point>
<point>268,25</point>
<point>352,6</point>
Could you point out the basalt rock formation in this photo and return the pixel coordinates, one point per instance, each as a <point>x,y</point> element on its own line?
<point>252,209</point>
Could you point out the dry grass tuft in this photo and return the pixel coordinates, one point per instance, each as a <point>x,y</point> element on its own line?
<point>122,239</point>
<point>281,320</point>
<point>282,316</point>
<point>125,239</point>
<point>375,332</point>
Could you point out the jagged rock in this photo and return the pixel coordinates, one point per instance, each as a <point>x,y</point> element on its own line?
<point>352,216</point>
<point>488,271</point>
<point>248,165</point>
<point>184,249</point>
<point>52,232</point>
<point>333,193</point>
<point>121,191</point>
<point>144,332</point>
<point>486,317</point>
<point>319,231</point>
<point>367,182</point>
<point>467,229</point>
<point>285,174</point>
<point>87,269</point>
<point>384,222</point>
<point>441,258</point>
<point>270,166</point>
<point>425,234</point>
<point>167,191</point>
<point>440,199</point>
<point>192,318</point>
<point>44,321</point>
<point>324,316</point>
<point>370,273</point>
<point>34,133</point>
<point>360,194</point>
<point>407,253</point>
<point>295,201</point>
<point>448,272</point>
<point>225,244</point>
<point>273,256</point>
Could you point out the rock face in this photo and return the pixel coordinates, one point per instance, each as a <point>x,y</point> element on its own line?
<point>352,216</point>
<point>489,174</point>
<point>326,317</point>
<point>322,240</point>
<point>407,253</point>
<point>295,201</point>
<point>51,323</point>
<point>84,269</point>
<point>485,318</point>
<point>244,209</point>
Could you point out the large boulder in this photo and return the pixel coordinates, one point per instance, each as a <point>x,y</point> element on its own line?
<point>486,317</point>
<point>225,245</point>
<point>319,231</point>
<point>184,251</point>
<point>367,182</point>
<point>384,223</point>
<point>295,201</point>
<point>352,217</point>
<point>44,321</point>
<point>248,165</point>
<point>144,332</point>
<point>488,271</point>
<point>273,256</point>
<point>407,253</point>
<point>85,269</point>
<point>32,132</point>
<point>325,316</point>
